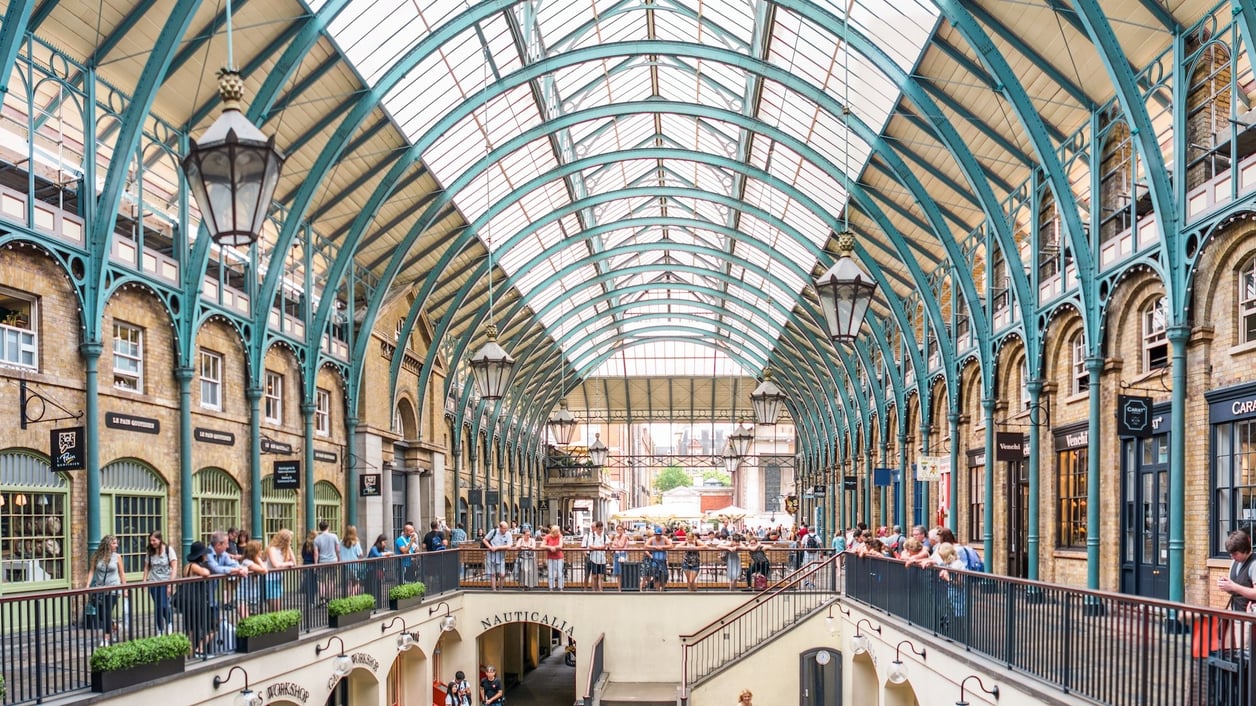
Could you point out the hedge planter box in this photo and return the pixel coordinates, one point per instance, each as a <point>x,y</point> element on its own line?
<point>344,621</point>
<point>122,678</point>
<point>404,603</point>
<point>265,640</point>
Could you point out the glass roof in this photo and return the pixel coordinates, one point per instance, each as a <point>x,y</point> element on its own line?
<point>665,227</point>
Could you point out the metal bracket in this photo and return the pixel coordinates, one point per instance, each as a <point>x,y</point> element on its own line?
<point>34,404</point>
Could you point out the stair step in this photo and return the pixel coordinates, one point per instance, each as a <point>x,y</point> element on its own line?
<point>639,694</point>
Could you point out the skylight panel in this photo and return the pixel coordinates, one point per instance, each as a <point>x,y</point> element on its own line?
<point>372,48</point>
<point>733,18</point>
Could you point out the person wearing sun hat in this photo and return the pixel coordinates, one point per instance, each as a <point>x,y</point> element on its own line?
<point>199,617</point>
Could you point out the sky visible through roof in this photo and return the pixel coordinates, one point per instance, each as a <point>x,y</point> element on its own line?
<point>661,254</point>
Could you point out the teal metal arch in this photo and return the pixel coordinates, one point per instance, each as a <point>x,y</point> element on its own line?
<point>688,192</point>
<point>466,108</point>
<point>421,298</point>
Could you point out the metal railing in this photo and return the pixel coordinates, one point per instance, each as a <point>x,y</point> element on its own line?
<point>47,639</point>
<point>596,666</point>
<point>1110,648</point>
<point>749,626</point>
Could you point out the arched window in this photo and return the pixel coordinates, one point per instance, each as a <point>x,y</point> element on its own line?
<point>215,502</point>
<point>1116,183</point>
<point>133,503</point>
<point>34,529</point>
<point>327,505</point>
<point>1155,336</point>
<point>279,508</point>
<point>1208,115</point>
<point>1246,291</point>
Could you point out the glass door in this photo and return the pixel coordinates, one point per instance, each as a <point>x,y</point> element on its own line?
<point>1145,519</point>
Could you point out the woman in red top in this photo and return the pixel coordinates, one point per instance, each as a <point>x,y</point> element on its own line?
<point>554,557</point>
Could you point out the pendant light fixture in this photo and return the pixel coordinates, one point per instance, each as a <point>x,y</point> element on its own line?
<point>767,399</point>
<point>845,290</point>
<point>562,424</point>
<point>233,169</point>
<point>491,365</point>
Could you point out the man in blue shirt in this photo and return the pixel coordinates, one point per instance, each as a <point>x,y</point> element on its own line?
<point>220,563</point>
<point>407,544</point>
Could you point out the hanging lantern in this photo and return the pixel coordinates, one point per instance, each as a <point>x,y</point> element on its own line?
<point>562,424</point>
<point>845,293</point>
<point>739,441</point>
<point>731,459</point>
<point>491,367</point>
<point>767,400</point>
<point>598,452</point>
<point>232,170</point>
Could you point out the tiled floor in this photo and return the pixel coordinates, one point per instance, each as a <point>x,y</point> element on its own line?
<point>553,683</point>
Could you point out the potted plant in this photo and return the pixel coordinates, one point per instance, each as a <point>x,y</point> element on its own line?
<point>137,661</point>
<point>343,612</point>
<point>257,632</point>
<point>406,596</point>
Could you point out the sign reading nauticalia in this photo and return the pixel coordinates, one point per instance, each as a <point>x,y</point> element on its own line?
<point>527,616</point>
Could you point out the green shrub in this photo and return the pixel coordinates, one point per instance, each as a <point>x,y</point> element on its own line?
<point>351,604</point>
<point>3,688</point>
<point>264,623</point>
<point>146,650</point>
<point>403,591</point>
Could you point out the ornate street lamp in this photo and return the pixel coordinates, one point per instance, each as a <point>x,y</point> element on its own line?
<point>562,424</point>
<point>767,400</point>
<point>739,441</point>
<point>233,169</point>
<point>598,452</point>
<point>845,293</point>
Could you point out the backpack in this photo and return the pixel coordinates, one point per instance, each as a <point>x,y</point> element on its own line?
<point>972,560</point>
<point>812,542</point>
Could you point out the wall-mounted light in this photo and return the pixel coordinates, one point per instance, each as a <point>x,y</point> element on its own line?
<point>246,697</point>
<point>448,622</point>
<point>993,691</point>
<point>340,666</point>
<point>406,638</point>
<point>859,642</point>
<point>829,621</point>
<point>898,670</point>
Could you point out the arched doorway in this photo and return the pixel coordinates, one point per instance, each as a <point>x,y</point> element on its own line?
<point>535,662</point>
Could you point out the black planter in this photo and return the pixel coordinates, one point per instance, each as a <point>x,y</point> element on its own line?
<point>270,639</point>
<point>344,621</point>
<point>404,603</point>
<point>122,678</point>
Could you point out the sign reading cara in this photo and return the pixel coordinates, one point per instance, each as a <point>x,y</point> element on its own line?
<point>527,616</point>
<point>1133,416</point>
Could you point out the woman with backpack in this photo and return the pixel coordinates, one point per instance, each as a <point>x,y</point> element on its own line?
<point>458,692</point>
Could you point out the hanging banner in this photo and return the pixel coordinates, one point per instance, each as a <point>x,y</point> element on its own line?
<point>1009,446</point>
<point>67,448</point>
<point>287,475</point>
<point>882,477</point>
<point>1133,416</point>
<point>929,469</point>
<point>369,485</point>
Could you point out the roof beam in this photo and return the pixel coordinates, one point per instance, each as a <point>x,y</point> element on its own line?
<point>16,17</point>
<point>1040,62</point>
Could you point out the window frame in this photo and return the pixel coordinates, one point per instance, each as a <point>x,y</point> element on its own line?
<point>1231,442</point>
<point>272,397</point>
<point>1245,300</point>
<point>1155,335</point>
<point>24,335</point>
<point>322,412</point>
<point>136,343</point>
<point>208,382</point>
<point>1071,466</point>
<point>1080,378</point>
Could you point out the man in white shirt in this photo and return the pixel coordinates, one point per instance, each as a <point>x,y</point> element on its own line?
<point>595,560</point>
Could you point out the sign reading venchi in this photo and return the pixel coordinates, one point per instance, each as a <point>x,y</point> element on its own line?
<point>527,616</point>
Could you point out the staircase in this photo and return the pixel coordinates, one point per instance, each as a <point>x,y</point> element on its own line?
<point>754,624</point>
<point>640,694</point>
